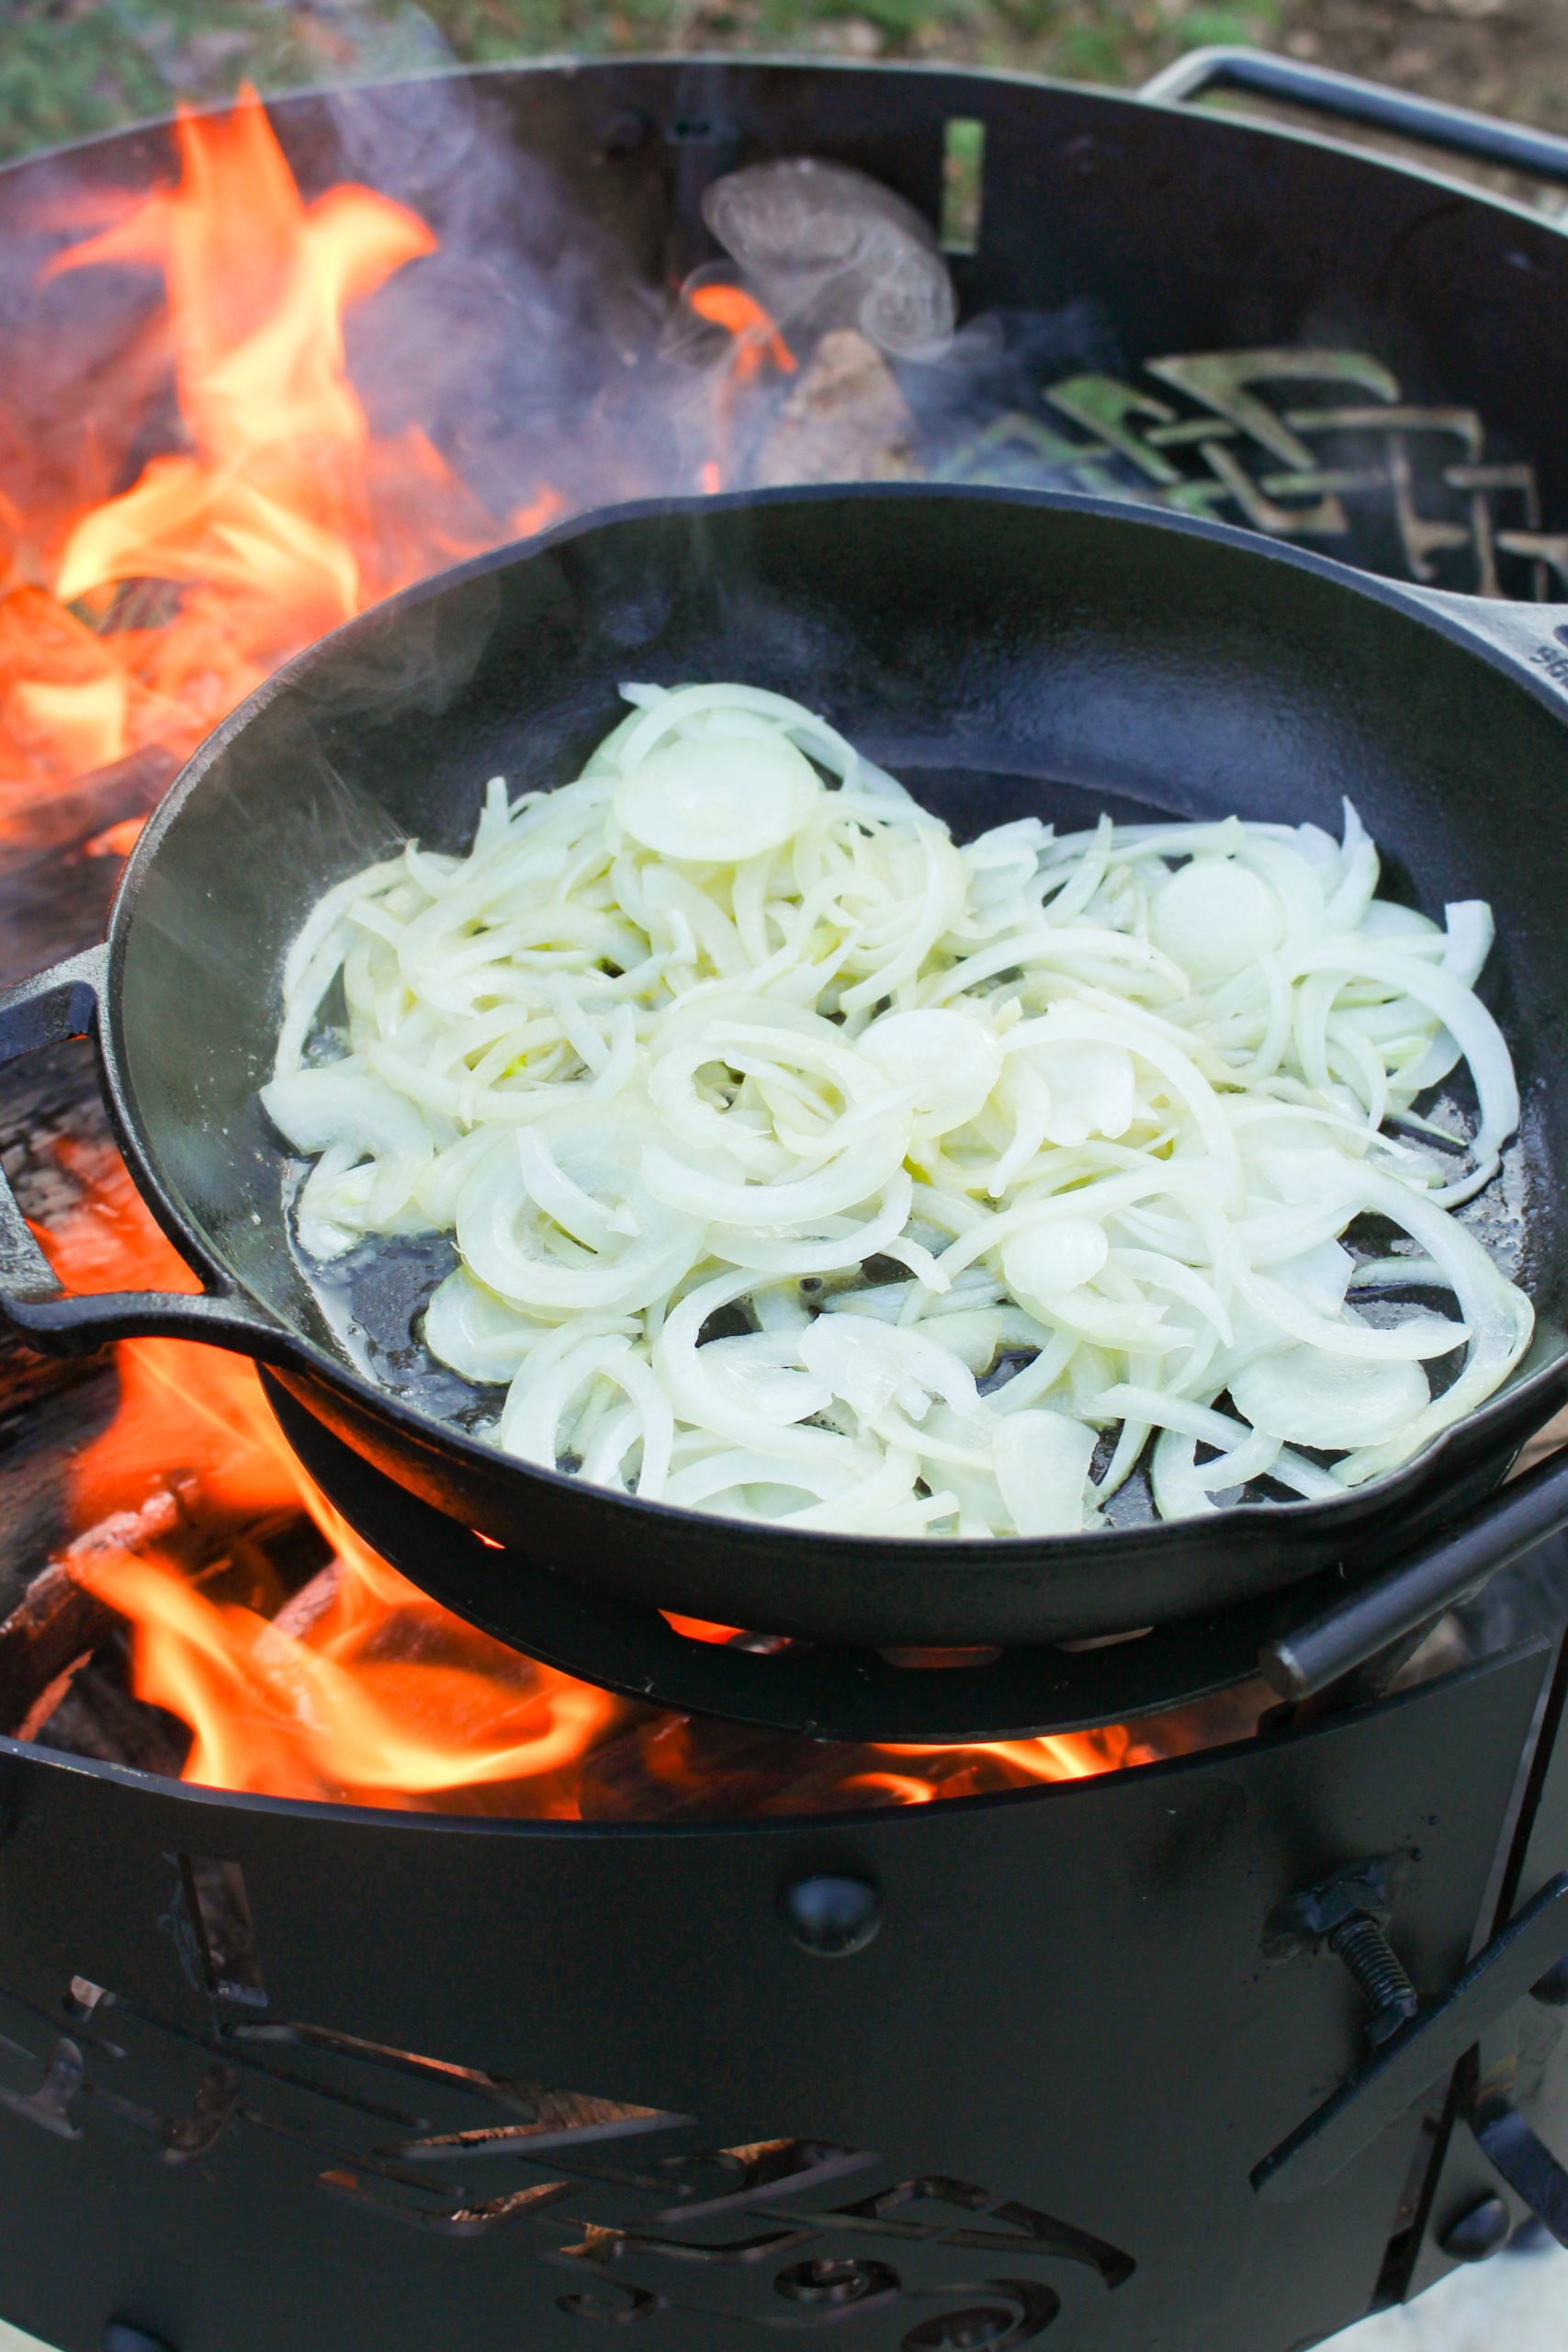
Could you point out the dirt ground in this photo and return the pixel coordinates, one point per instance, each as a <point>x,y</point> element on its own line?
<point>1504,57</point>
<point>68,67</point>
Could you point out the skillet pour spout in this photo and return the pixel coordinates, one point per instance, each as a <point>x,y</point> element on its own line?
<point>1006,654</point>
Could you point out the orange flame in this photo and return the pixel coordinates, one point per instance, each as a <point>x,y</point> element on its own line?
<point>757,339</point>
<point>900,1786</point>
<point>378,1695</point>
<point>380,1700</point>
<point>756,342</point>
<point>1053,1756</point>
<point>135,615</point>
<point>171,600</point>
<point>363,1689</point>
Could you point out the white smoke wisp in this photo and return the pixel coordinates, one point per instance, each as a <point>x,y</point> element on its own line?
<point>826,247</point>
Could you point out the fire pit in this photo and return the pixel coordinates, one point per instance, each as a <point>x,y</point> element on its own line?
<point>363,1980</point>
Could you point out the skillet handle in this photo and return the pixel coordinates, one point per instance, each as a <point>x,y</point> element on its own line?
<point>45,1010</point>
<point>1354,100</point>
<point>1533,638</point>
<point>1415,1591</point>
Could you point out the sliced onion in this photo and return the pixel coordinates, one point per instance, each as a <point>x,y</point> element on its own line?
<point>511,1240</point>
<point>716,802</point>
<point>762,1370</point>
<point>1309,1397</point>
<point>476,1333</point>
<point>872,1366</point>
<point>858,1175</point>
<point>1045,1259</point>
<point>1091,1089</point>
<point>947,1061</point>
<point>1215,916</point>
<point>704,1034</point>
<point>1042,1460</point>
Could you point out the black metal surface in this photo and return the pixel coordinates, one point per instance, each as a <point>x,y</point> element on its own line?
<point>1552,1989</point>
<point>1004,654</point>
<point>834,1692</point>
<point>1348,1914</point>
<point>1428,2046</point>
<point>1351,100</point>
<point>1053,1988</point>
<point>1174,237</point>
<point>1378,1976</point>
<point>1305,1921</point>
<point>1521,2061</point>
<point>1444,314</point>
<point>1034,2091</point>
<point>833,1917</point>
<point>55,1006</point>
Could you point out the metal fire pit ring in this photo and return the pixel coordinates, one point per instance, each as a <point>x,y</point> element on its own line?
<point>828,1692</point>
<point>1302,1642</point>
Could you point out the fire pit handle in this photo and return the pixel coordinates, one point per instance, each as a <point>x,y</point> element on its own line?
<point>46,1010</point>
<point>1327,92</point>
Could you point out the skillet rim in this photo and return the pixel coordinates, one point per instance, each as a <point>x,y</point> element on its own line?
<point>1481,628</point>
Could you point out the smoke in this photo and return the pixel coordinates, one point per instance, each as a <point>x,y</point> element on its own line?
<point>543,355</point>
<point>562,348</point>
<point>522,345</point>
<point>551,347</point>
<point>826,247</point>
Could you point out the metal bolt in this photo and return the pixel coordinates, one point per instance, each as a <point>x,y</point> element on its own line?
<point>1348,1915</point>
<point>1478,2232</point>
<point>1381,1980</point>
<point>832,1916</point>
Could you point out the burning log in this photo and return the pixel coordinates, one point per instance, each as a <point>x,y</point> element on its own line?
<point>59,1620</point>
<point>311,1603</point>
<point>845,419</point>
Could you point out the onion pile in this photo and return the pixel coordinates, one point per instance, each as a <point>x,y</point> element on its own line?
<point>806,1166</point>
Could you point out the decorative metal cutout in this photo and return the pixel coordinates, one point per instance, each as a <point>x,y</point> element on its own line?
<point>1312,444</point>
<point>630,2213</point>
<point>220,1910</point>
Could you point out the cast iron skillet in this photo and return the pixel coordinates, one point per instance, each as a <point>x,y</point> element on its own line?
<point>1004,654</point>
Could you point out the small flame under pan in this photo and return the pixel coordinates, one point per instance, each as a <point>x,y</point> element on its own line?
<point>1004,654</point>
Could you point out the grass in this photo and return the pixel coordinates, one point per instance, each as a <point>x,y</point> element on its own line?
<point>72,67</point>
